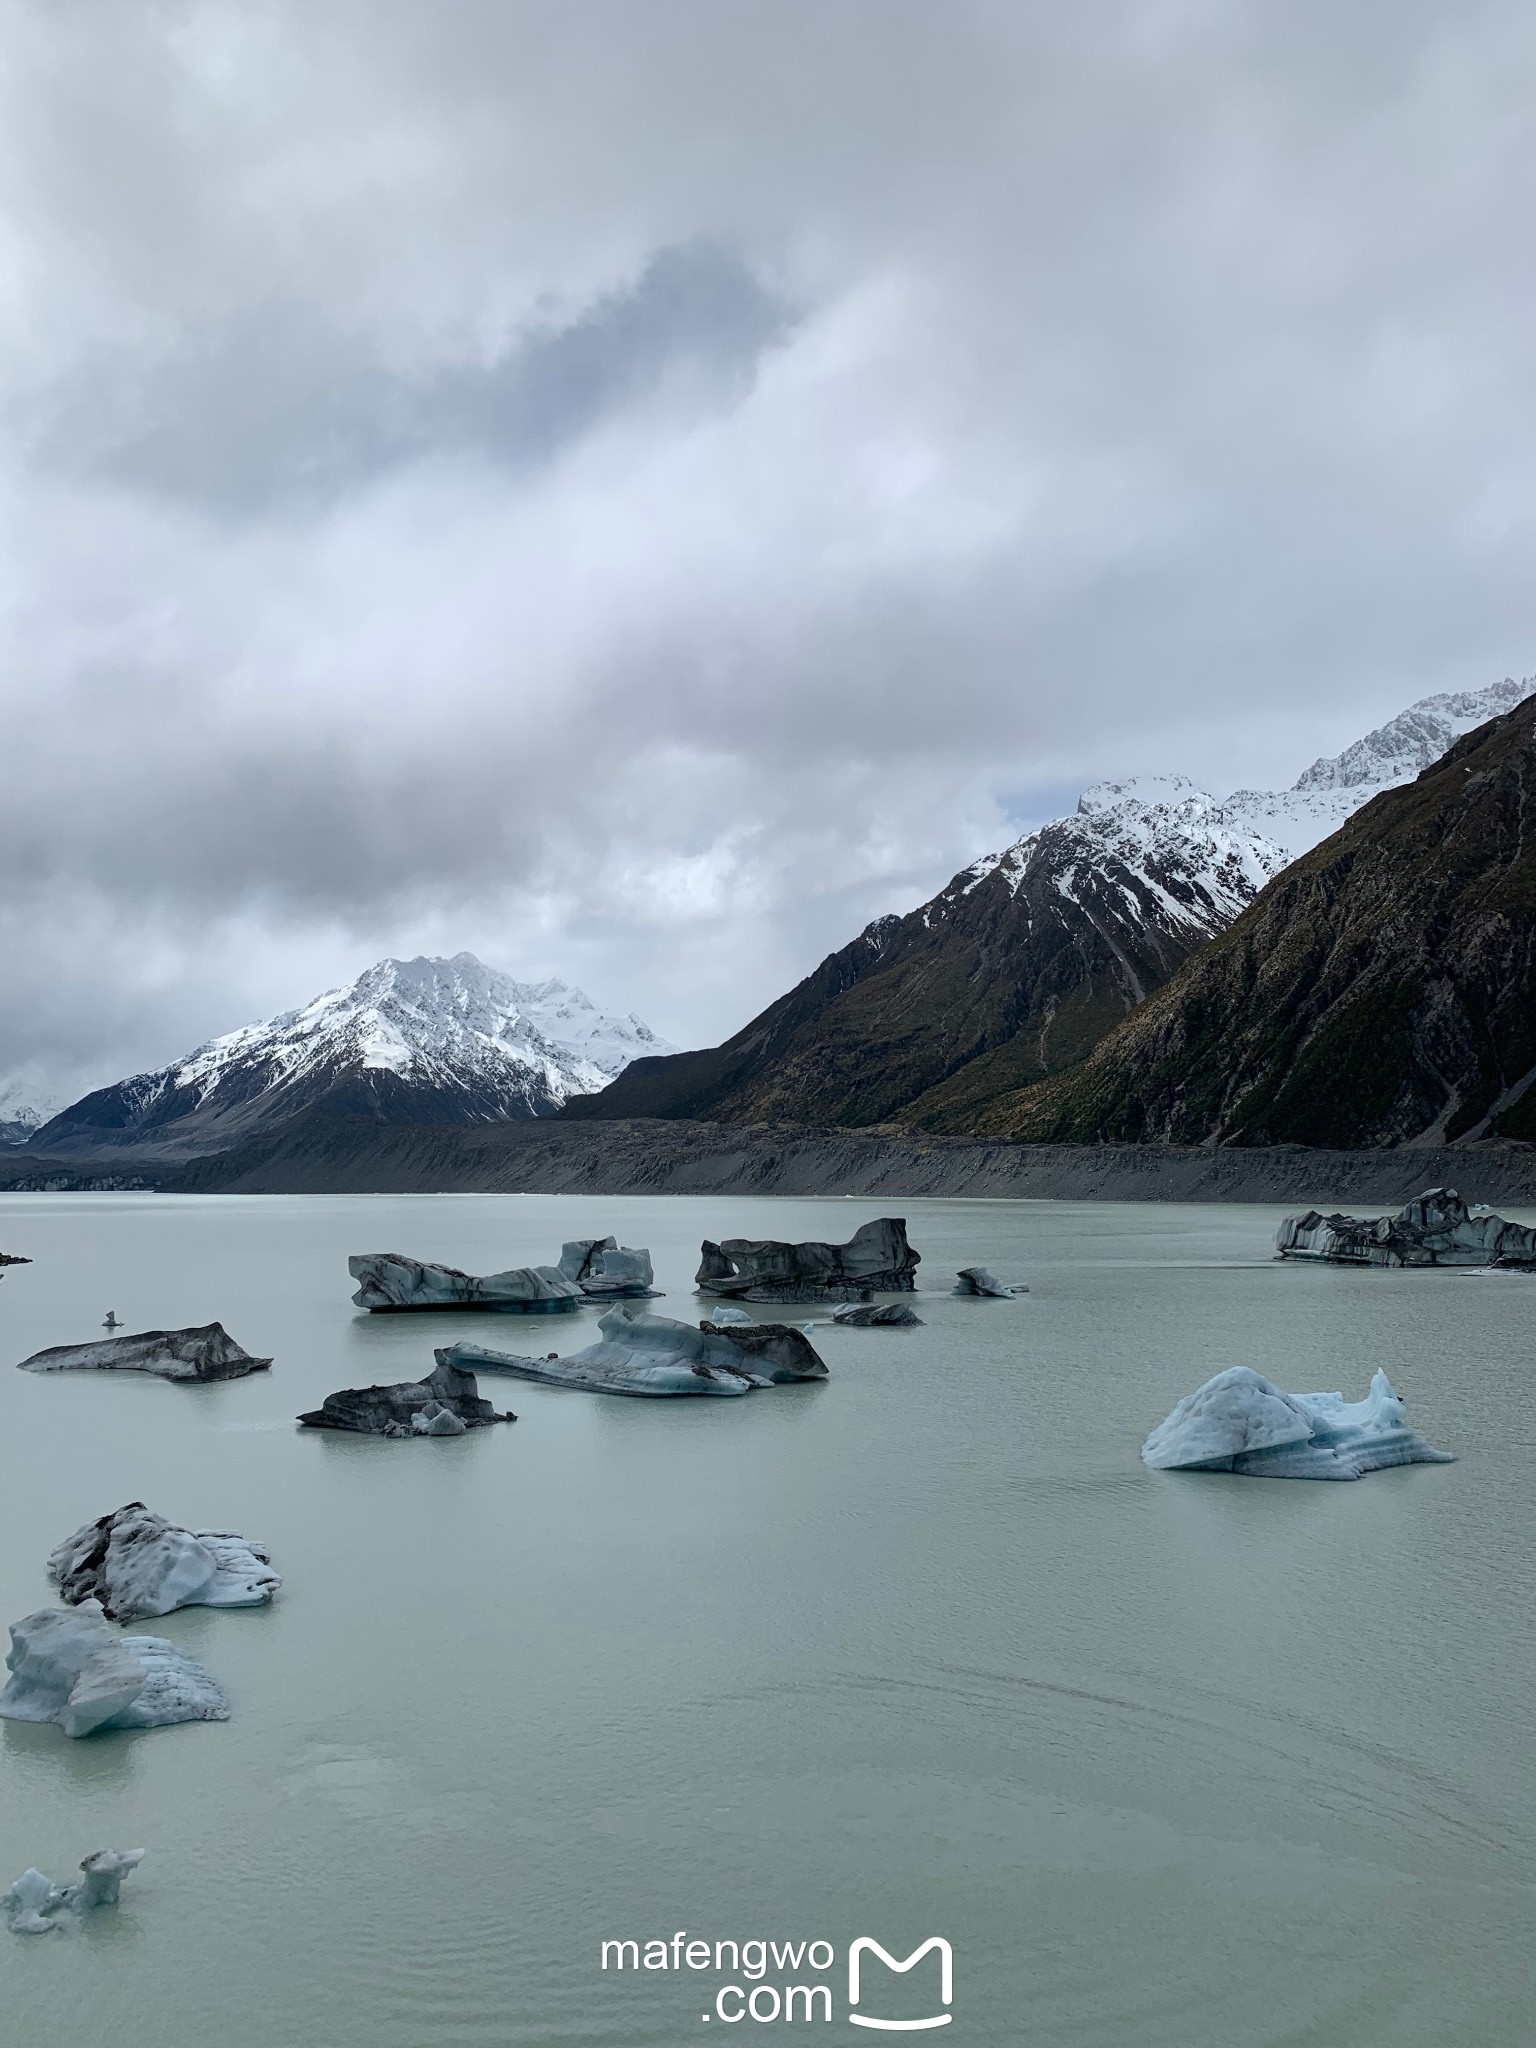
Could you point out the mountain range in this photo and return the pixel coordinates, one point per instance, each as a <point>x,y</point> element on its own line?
<point>1029,958</point>
<point>410,1041</point>
<point>1381,991</point>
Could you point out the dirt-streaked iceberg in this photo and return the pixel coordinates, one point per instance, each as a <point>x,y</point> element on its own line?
<point>446,1403</point>
<point>69,1665</point>
<point>652,1355</point>
<point>877,1259</point>
<point>191,1356</point>
<point>135,1563</point>
<point>1239,1422</point>
<point>1434,1229</point>
<point>602,1267</point>
<point>390,1283</point>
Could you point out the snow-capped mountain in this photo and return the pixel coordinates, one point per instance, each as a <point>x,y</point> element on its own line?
<point>1030,956</point>
<point>24,1109</point>
<point>411,1041</point>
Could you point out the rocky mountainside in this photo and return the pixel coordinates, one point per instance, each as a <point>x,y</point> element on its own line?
<point>411,1041</point>
<point>1380,991</point>
<point>1027,959</point>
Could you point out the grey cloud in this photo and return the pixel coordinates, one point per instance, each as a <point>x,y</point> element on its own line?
<point>638,491</point>
<point>255,419</point>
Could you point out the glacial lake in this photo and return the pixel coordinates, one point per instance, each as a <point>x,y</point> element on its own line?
<point>924,1651</point>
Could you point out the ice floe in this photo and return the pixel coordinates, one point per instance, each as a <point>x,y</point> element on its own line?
<point>1239,1422</point>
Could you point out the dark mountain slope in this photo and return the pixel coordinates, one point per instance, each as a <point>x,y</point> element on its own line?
<point>1023,963</point>
<point>1382,989</point>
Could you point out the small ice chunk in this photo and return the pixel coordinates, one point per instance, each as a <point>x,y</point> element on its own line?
<point>727,1312</point>
<point>977,1280</point>
<point>435,1420</point>
<point>36,1905</point>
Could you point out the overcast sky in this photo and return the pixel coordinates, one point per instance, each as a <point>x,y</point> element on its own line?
<point>638,487</point>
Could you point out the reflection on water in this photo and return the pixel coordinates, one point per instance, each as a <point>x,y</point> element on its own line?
<point>1168,1758</point>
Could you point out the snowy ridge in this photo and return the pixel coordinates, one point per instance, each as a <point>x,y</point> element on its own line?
<point>1164,828</point>
<point>1158,841</point>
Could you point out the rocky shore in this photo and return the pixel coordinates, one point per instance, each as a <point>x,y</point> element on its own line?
<point>657,1157</point>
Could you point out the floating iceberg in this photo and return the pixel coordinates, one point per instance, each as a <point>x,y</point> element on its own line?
<point>651,1355</point>
<point>977,1280</point>
<point>727,1312</point>
<point>137,1563</point>
<point>603,1268</point>
<point>1434,1229</point>
<point>36,1905</point>
<point>876,1260</point>
<point>204,1353</point>
<point>391,1282</point>
<point>410,1407</point>
<point>865,1315</point>
<point>1238,1422</point>
<point>70,1666</point>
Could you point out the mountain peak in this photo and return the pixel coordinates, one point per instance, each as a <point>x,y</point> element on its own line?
<point>426,1040</point>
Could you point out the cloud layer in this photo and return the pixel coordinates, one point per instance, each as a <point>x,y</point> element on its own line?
<point>637,491</point>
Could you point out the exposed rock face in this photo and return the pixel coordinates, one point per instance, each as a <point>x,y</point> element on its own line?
<point>651,1355</point>
<point>36,1905</point>
<point>394,1411</point>
<point>136,1563</point>
<point>866,1315</point>
<point>1382,990</point>
<point>977,1280</point>
<point>877,1259</point>
<point>70,1666</point>
<point>391,1282</point>
<point>207,1353</point>
<point>1239,1422</point>
<point>600,1267</point>
<point>1435,1229</point>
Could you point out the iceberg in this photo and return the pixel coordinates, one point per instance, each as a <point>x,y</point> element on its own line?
<point>977,1280</point>
<point>195,1355</point>
<point>603,1268</point>
<point>390,1282</point>
<point>864,1315</point>
<point>135,1563</point>
<point>1239,1422</point>
<point>651,1355</point>
<point>876,1260</point>
<point>71,1667</point>
<point>410,1407</point>
<point>1435,1229</point>
<point>36,1905</point>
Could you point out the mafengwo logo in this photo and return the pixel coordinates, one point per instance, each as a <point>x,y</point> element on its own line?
<point>867,1945</point>
<point>762,2000</point>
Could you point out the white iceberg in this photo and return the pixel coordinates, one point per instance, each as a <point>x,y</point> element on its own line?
<point>36,1905</point>
<point>977,1280</point>
<point>135,1562</point>
<point>69,1666</point>
<point>1238,1422</point>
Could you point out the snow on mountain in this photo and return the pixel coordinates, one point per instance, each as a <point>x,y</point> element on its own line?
<point>1330,791</point>
<point>23,1110</point>
<point>1166,846</point>
<point>425,1040</point>
<point>450,1018</point>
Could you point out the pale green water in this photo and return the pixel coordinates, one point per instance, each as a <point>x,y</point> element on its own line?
<point>1169,1760</point>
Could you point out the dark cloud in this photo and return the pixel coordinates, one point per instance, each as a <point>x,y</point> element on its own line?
<point>638,491</point>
